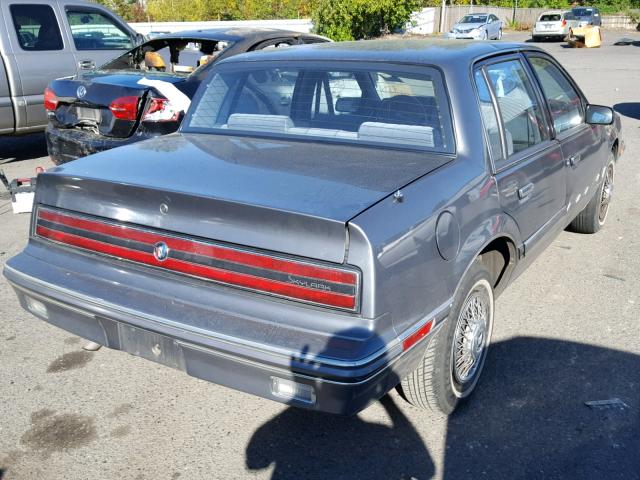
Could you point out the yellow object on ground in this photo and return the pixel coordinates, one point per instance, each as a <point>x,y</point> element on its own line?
<point>153,60</point>
<point>588,37</point>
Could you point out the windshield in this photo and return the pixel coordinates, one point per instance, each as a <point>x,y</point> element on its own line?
<point>582,12</point>
<point>170,56</point>
<point>356,105</point>
<point>555,17</point>
<point>473,19</point>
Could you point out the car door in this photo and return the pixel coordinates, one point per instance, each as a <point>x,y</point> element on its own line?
<point>97,35</point>
<point>584,148</point>
<point>6,106</point>
<point>40,52</point>
<point>527,164</point>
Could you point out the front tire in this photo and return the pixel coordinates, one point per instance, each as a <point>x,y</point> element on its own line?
<point>499,35</point>
<point>594,215</point>
<point>453,360</point>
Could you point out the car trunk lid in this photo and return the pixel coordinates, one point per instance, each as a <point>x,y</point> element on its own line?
<point>291,197</point>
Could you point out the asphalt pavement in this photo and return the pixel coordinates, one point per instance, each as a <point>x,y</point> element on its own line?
<point>566,332</point>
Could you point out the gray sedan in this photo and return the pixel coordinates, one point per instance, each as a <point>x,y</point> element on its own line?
<point>477,26</point>
<point>331,221</point>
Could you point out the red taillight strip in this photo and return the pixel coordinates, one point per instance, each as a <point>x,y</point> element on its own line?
<point>130,243</point>
<point>212,251</point>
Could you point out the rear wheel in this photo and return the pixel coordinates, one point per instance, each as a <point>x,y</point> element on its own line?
<point>594,215</point>
<point>454,358</point>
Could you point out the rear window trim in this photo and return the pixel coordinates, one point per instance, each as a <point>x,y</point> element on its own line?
<point>407,67</point>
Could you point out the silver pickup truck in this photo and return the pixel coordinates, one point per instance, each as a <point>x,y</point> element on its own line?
<point>41,40</point>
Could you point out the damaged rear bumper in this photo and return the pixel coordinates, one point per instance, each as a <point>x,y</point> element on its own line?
<point>65,145</point>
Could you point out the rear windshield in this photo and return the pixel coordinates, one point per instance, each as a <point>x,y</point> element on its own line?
<point>554,17</point>
<point>582,12</point>
<point>402,108</point>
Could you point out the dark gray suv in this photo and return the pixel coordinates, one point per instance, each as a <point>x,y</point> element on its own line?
<point>586,16</point>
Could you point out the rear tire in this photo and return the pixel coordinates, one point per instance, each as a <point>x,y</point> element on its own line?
<point>453,360</point>
<point>594,215</point>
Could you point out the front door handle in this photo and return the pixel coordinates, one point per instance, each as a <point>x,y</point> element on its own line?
<point>525,191</point>
<point>86,64</point>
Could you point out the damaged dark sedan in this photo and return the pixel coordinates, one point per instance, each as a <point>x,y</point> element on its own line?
<point>323,250</point>
<point>145,92</point>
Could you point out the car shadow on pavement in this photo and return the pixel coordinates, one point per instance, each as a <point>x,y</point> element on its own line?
<point>304,444</point>
<point>527,419</point>
<point>631,109</point>
<point>22,147</point>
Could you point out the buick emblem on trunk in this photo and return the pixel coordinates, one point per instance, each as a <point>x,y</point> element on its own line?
<point>160,251</point>
<point>81,92</point>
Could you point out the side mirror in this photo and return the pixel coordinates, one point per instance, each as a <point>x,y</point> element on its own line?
<point>599,115</point>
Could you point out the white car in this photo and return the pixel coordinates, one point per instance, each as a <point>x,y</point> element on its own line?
<point>554,24</point>
<point>477,26</point>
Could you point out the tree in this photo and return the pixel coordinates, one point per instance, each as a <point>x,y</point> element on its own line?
<point>361,19</point>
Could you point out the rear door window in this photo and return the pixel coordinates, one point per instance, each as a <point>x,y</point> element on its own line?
<point>36,27</point>
<point>360,104</point>
<point>92,30</point>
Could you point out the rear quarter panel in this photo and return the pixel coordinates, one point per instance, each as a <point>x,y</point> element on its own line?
<point>404,273</point>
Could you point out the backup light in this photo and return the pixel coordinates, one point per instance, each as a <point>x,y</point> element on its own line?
<point>36,307</point>
<point>290,390</point>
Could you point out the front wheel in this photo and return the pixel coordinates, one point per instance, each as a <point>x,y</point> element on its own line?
<point>453,360</point>
<point>484,35</point>
<point>499,35</point>
<point>594,215</point>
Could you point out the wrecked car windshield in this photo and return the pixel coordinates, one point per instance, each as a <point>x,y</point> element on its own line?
<point>173,56</point>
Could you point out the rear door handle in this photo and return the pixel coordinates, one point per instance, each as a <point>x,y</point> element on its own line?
<point>525,191</point>
<point>86,64</point>
<point>573,160</point>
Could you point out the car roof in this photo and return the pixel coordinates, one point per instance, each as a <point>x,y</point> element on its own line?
<point>235,34</point>
<point>418,51</point>
<point>553,12</point>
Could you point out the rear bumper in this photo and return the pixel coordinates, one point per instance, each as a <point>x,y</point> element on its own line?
<point>65,145</point>
<point>341,385</point>
<point>550,33</point>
